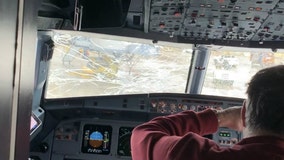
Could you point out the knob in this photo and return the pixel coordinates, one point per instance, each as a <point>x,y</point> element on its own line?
<point>43,147</point>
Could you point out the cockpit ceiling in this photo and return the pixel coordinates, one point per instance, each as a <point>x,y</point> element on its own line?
<point>244,23</point>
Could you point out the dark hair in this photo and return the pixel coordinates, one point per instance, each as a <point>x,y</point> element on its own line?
<point>266,100</point>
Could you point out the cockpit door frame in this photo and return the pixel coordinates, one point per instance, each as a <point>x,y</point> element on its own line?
<point>17,68</point>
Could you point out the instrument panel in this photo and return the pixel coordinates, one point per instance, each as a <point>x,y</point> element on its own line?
<point>94,139</point>
<point>89,130</point>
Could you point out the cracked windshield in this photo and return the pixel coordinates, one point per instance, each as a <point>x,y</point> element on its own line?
<point>229,70</point>
<point>88,64</point>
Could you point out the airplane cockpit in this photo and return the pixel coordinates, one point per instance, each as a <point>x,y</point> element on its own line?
<point>95,69</point>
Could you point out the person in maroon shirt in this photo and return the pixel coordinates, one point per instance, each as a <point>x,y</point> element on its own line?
<point>180,136</point>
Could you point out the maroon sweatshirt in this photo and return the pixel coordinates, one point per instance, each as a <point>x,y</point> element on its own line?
<point>179,137</point>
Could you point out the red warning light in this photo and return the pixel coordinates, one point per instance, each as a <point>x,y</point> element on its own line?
<point>258,8</point>
<point>266,28</point>
<point>177,14</point>
<point>162,25</point>
<point>256,19</point>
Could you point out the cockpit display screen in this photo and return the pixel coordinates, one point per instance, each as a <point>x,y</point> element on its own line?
<point>124,141</point>
<point>96,139</point>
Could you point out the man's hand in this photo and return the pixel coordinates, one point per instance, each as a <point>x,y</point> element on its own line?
<point>230,118</point>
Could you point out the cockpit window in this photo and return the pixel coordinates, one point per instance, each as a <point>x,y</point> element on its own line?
<point>230,69</point>
<point>88,64</point>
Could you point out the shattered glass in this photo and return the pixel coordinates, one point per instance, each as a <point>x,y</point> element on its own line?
<point>85,64</point>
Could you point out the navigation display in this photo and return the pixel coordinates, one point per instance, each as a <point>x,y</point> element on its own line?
<point>124,141</point>
<point>97,139</point>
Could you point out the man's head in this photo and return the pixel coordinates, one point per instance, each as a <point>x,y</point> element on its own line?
<point>265,108</point>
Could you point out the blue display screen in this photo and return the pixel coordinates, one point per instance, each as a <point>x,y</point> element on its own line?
<point>96,139</point>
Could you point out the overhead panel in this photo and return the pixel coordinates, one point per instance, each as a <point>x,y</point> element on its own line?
<point>232,20</point>
<point>272,28</point>
<point>168,16</point>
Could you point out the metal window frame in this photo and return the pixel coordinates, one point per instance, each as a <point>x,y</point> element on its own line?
<point>198,69</point>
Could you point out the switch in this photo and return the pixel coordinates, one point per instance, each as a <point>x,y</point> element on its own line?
<point>162,25</point>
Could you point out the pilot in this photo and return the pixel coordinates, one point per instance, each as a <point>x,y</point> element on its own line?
<point>261,119</point>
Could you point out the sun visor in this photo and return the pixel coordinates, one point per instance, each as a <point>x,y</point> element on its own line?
<point>90,14</point>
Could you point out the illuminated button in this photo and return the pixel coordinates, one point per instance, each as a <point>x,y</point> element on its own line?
<point>237,7</point>
<point>266,28</point>
<point>251,8</point>
<point>209,5</point>
<point>224,134</point>
<point>258,8</point>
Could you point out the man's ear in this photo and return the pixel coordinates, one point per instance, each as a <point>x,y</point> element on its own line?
<point>243,114</point>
